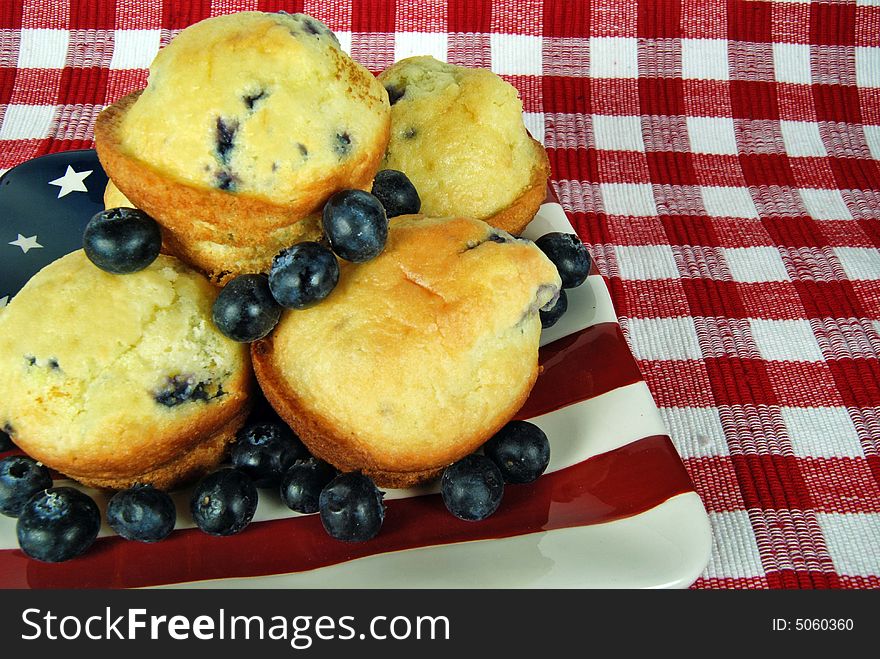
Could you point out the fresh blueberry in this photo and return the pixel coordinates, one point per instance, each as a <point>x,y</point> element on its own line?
<point>303,274</point>
<point>245,310</point>
<point>122,240</point>
<point>396,193</point>
<point>569,255</point>
<point>550,316</point>
<point>142,513</point>
<point>351,507</point>
<point>472,487</point>
<point>223,503</point>
<point>521,451</point>
<point>264,451</point>
<point>355,224</point>
<point>302,484</point>
<point>20,478</point>
<point>58,524</point>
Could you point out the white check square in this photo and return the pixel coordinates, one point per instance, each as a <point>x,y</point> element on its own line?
<point>738,556</point>
<point>785,340</point>
<point>664,338</point>
<point>712,135</point>
<point>344,41</point>
<point>43,49</point>
<point>802,139</point>
<point>27,122</point>
<point>704,59</point>
<point>728,202</point>
<point>614,57</point>
<point>791,63</point>
<point>755,264</point>
<point>534,122</point>
<point>868,66</point>
<point>825,204</point>
<point>859,262</point>
<point>852,541</point>
<point>516,54</point>
<point>614,133</point>
<point>409,44</point>
<point>696,431</point>
<point>872,137</point>
<point>646,262</point>
<point>134,49</point>
<point>633,199</point>
<point>821,432</point>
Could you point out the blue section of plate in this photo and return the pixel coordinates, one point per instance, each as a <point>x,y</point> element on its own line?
<point>37,226</point>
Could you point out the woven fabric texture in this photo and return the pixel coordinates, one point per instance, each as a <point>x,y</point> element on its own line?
<point>720,159</point>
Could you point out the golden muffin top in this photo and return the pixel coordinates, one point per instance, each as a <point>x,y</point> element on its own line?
<point>458,134</point>
<point>259,103</point>
<point>104,368</point>
<point>425,347</point>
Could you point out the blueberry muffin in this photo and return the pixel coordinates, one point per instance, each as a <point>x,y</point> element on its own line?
<point>458,134</point>
<point>251,258</point>
<point>120,379</point>
<point>418,356</point>
<point>249,122</point>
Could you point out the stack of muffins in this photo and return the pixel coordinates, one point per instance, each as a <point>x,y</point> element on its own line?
<point>249,123</point>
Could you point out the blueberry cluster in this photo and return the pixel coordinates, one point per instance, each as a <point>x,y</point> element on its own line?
<point>54,523</point>
<point>572,260</point>
<point>472,488</point>
<point>59,523</point>
<point>355,226</point>
<point>267,454</point>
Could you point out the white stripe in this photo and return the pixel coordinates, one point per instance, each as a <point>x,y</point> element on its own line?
<point>665,547</point>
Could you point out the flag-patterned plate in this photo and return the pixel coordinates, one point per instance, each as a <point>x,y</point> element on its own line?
<point>615,509</point>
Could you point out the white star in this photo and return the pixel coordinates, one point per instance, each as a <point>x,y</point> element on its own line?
<point>71,182</point>
<point>26,244</point>
<point>3,301</point>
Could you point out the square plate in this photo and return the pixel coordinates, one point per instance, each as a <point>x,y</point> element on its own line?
<point>615,508</point>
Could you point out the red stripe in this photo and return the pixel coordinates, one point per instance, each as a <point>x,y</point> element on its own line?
<point>678,383</point>
<point>378,16</point>
<point>581,366</point>
<point>731,583</point>
<point>842,484</point>
<point>291,7</point>
<point>11,14</point>
<point>87,14</point>
<point>610,486</point>
<point>837,103</point>
<point>860,582</point>
<point>178,15</point>
<point>469,16</point>
<point>749,21</point>
<point>810,579</point>
<point>659,20</point>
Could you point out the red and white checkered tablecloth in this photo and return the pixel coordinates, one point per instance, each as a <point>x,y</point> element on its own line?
<point>720,159</point>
